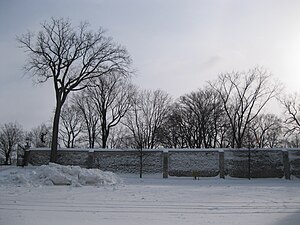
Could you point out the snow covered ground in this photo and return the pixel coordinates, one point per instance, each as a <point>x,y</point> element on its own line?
<point>34,200</point>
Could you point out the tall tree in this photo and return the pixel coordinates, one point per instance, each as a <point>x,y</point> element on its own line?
<point>89,116</point>
<point>71,57</point>
<point>11,134</point>
<point>111,96</point>
<point>244,95</point>
<point>206,108</point>
<point>173,132</point>
<point>147,116</point>
<point>145,119</point>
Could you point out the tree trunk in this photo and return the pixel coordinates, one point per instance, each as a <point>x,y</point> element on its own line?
<point>92,143</point>
<point>54,142</point>
<point>105,134</point>
<point>103,128</point>
<point>6,159</point>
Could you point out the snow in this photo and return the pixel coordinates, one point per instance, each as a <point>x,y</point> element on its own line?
<point>54,174</point>
<point>25,198</point>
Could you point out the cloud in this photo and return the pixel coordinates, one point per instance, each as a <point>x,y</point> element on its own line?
<point>212,62</point>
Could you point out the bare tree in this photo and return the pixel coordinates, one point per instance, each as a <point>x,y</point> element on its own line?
<point>11,134</point>
<point>71,57</point>
<point>267,131</point>
<point>146,117</point>
<point>111,96</point>
<point>291,121</point>
<point>150,109</point>
<point>89,115</point>
<point>119,138</point>
<point>244,95</point>
<point>292,113</point>
<point>137,127</point>
<point>206,108</point>
<point>71,125</point>
<point>196,120</point>
<point>173,132</point>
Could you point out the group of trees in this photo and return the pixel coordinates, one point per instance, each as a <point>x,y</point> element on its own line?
<point>14,140</point>
<point>98,106</point>
<point>113,113</point>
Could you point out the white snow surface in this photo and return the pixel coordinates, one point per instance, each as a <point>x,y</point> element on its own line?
<point>151,200</point>
<point>55,174</point>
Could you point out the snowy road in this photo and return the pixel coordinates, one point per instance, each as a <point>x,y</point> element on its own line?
<point>155,201</point>
<point>149,207</point>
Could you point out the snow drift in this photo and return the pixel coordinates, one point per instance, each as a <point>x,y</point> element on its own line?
<point>55,174</point>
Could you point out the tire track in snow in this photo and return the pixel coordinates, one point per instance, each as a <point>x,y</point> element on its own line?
<point>153,207</point>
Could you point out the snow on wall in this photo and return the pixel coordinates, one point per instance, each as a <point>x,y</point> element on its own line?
<point>128,161</point>
<point>199,163</point>
<point>275,163</point>
<point>78,158</point>
<point>263,163</point>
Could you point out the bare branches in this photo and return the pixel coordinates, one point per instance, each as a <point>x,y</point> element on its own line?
<point>11,134</point>
<point>244,95</point>
<point>292,118</point>
<point>147,115</point>
<point>112,96</point>
<point>72,57</point>
<point>204,112</point>
<point>71,125</point>
<point>90,118</point>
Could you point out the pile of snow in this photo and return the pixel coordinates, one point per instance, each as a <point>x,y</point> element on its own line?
<point>54,174</point>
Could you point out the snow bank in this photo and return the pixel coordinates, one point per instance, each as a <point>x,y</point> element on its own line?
<point>54,174</point>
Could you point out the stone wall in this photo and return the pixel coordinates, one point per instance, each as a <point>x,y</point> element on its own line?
<point>128,161</point>
<point>204,163</point>
<point>294,161</point>
<point>272,163</point>
<point>263,163</point>
<point>69,157</point>
<point>37,157</point>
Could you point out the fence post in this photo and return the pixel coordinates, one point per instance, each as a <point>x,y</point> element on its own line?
<point>165,163</point>
<point>221,164</point>
<point>286,164</point>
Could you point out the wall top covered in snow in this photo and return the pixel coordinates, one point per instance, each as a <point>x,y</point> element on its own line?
<point>242,163</point>
<point>165,149</point>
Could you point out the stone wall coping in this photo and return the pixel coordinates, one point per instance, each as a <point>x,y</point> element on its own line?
<point>95,150</point>
<point>166,150</point>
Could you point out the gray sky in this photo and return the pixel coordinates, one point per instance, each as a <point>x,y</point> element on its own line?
<point>176,45</point>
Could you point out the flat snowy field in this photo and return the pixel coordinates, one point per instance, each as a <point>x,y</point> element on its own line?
<point>28,197</point>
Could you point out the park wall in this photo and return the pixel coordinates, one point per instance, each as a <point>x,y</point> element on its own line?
<point>240,163</point>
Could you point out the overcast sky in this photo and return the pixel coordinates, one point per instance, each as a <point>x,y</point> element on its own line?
<point>176,45</point>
